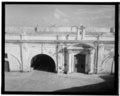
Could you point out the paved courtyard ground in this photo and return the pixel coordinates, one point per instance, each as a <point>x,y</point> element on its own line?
<point>51,82</point>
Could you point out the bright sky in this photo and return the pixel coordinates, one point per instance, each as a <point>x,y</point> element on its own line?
<point>61,15</point>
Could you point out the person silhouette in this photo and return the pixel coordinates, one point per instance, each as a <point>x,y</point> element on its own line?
<point>36,28</point>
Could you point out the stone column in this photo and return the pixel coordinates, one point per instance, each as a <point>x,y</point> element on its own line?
<point>21,53</point>
<point>91,58</point>
<point>57,57</point>
<point>24,53</point>
<point>65,60</point>
<point>69,62</point>
<point>26,66</point>
<point>60,59</point>
<point>72,61</point>
<point>100,57</point>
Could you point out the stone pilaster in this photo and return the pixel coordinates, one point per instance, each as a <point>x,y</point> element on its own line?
<point>25,56</point>
<point>61,58</point>
<point>70,67</point>
<point>91,63</point>
<point>100,57</point>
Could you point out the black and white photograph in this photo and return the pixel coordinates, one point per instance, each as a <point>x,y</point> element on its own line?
<point>59,48</point>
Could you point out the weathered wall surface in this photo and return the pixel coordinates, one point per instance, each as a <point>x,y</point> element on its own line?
<point>13,52</point>
<point>106,59</point>
<point>20,54</point>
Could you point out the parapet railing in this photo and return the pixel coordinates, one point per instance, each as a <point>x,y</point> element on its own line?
<point>55,29</point>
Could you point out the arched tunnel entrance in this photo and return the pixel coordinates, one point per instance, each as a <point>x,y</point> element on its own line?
<point>43,62</point>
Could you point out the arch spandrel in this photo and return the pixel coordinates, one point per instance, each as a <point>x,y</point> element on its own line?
<point>13,51</point>
<point>50,50</point>
<point>15,63</point>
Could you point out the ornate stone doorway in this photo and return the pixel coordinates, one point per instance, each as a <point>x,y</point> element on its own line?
<point>81,58</point>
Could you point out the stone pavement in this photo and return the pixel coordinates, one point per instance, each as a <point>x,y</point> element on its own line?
<point>51,82</point>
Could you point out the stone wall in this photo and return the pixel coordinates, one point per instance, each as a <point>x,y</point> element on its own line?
<point>14,56</point>
<point>106,58</point>
<point>21,48</point>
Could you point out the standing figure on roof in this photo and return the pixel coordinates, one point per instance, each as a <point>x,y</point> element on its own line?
<point>81,32</point>
<point>112,30</point>
<point>82,28</point>
<point>36,28</point>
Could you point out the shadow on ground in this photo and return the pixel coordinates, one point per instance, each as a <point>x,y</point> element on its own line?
<point>105,87</point>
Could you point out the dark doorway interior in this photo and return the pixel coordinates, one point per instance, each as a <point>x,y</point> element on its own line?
<point>79,63</point>
<point>6,66</point>
<point>43,62</point>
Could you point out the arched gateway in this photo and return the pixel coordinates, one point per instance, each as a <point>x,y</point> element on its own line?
<point>43,62</point>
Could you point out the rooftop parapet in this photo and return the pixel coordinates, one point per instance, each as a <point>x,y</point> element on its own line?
<point>71,29</point>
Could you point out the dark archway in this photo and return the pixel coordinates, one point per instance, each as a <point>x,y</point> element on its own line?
<point>43,62</point>
<point>6,63</point>
<point>6,66</point>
